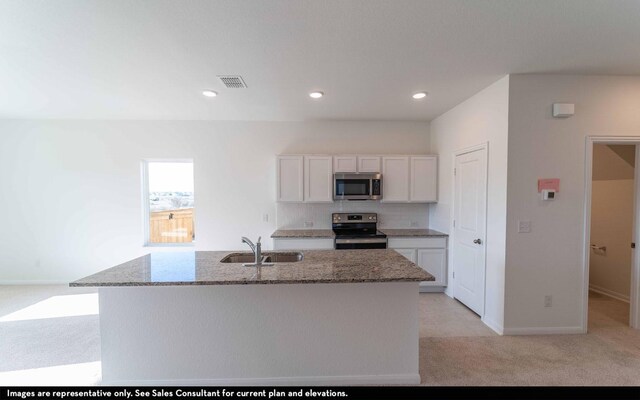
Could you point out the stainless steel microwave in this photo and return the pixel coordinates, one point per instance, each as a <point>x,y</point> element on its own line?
<point>357,186</point>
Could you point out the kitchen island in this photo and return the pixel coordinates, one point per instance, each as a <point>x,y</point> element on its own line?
<point>335,317</point>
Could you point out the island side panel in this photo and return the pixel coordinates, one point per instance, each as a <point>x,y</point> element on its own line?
<point>360,333</point>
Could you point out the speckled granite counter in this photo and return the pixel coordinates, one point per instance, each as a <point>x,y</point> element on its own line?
<point>303,233</point>
<point>412,233</point>
<point>328,233</point>
<point>205,268</point>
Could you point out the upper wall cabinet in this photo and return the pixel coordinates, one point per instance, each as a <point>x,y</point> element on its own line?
<point>369,164</point>
<point>409,179</point>
<point>304,178</point>
<point>345,164</point>
<point>423,179</point>
<point>309,178</point>
<point>290,178</point>
<point>356,164</point>
<point>395,179</point>
<point>318,179</point>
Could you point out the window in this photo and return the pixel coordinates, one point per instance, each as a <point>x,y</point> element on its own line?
<point>168,202</point>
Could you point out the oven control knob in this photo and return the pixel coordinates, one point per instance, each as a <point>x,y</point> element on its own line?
<point>339,218</point>
<point>370,217</point>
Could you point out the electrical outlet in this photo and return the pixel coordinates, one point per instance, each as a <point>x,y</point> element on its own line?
<point>414,224</point>
<point>265,218</point>
<point>308,224</point>
<point>524,226</point>
<point>548,300</point>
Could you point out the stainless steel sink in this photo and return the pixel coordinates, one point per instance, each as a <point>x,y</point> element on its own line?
<point>239,258</point>
<point>283,257</point>
<point>279,257</point>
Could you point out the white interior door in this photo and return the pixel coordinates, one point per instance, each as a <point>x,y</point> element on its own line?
<point>470,220</point>
<point>634,298</point>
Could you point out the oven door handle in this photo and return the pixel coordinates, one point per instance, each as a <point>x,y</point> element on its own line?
<point>371,240</point>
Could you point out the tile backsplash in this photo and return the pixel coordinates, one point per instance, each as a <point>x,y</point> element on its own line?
<point>318,215</point>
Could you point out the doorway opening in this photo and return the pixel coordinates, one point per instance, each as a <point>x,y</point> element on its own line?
<point>611,262</point>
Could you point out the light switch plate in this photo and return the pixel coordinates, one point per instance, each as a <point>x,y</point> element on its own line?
<point>524,226</point>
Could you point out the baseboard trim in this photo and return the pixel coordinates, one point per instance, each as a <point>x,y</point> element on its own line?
<point>399,379</point>
<point>609,293</point>
<point>432,289</point>
<point>449,291</point>
<point>497,328</point>
<point>30,283</point>
<point>560,330</point>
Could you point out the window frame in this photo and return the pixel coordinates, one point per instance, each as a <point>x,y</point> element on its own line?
<point>146,209</point>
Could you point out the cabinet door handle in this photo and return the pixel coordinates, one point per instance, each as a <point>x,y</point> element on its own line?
<point>478,241</point>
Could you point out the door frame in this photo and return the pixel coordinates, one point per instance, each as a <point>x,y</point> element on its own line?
<point>482,146</point>
<point>634,312</point>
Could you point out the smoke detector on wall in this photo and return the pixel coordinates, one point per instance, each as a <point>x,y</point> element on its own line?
<point>233,81</point>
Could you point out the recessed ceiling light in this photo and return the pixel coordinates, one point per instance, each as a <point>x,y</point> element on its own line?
<point>316,95</point>
<point>209,93</point>
<point>420,95</point>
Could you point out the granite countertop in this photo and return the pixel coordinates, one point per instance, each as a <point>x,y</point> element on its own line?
<point>205,268</point>
<point>328,233</point>
<point>412,233</point>
<point>303,233</point>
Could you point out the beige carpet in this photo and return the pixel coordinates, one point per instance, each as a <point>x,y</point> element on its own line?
<point>457,349</point>
<point>50,335</point>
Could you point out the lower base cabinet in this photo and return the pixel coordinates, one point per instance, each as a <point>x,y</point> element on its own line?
<point>429,254</point>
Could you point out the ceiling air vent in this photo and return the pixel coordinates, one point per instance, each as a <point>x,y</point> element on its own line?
<point>232,81</point>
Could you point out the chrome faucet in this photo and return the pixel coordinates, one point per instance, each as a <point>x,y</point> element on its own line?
<point>257,252</point>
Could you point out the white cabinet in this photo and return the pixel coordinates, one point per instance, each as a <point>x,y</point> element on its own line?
<point>290,178</point>
<point>369,164</point>
<point>409,254</point>
<point>409,179</point>
<point>423,179</point>
<point>302,243</point>
<point>429,253</point>
<point>395,179</point>
<point>356,164</point>
<point>304,179</point>
<point>347,164</point>
<point>309,178</point>
<point>434,261</point>
<point>318,179</point>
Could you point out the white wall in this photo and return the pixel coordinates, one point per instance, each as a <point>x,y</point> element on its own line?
<point>548,261</point>
<point>71,197</point>
<point>607,165</point>
<point>480,119</point>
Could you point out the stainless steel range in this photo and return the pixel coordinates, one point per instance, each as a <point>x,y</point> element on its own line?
<point>357,231</point>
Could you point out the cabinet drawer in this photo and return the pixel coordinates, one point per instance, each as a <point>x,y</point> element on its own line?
<point>417,243</point>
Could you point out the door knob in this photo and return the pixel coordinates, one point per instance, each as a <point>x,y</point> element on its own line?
<point>478,241</point>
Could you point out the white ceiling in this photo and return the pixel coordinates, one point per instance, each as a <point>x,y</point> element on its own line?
<point>134,59</point>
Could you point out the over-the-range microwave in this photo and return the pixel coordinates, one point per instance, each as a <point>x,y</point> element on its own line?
<point>357,186</point>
